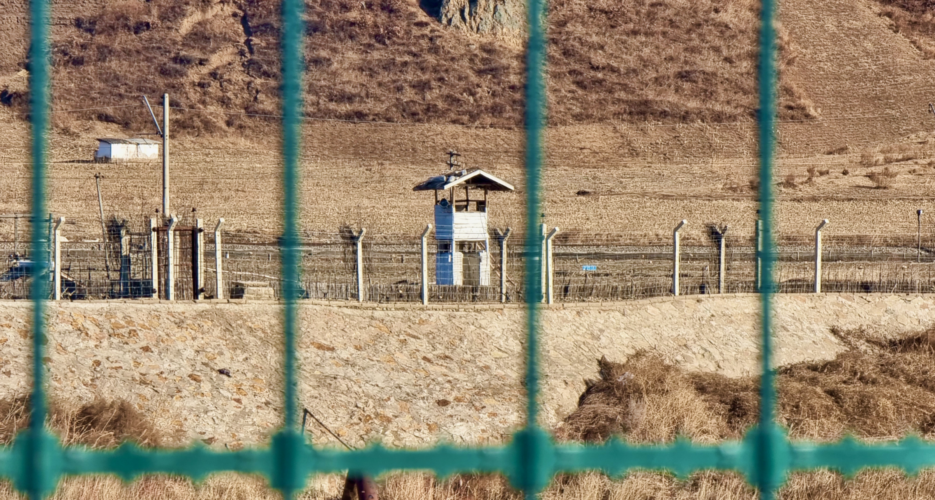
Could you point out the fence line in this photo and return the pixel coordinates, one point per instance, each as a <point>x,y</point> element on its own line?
<point>581,267</point>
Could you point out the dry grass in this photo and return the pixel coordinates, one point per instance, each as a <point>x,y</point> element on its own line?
<point>387,60</point>
<point>915,19</point>
<point>881,388</point>
<point>883,179</point>
<point>915,147</point>
<point>99,424</point>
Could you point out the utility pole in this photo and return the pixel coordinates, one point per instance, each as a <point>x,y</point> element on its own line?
<point>100,206</point>
<point>165,155</point>
<point>164,133</point>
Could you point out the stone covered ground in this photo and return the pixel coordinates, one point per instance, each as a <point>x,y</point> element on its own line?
<point>405,376</point>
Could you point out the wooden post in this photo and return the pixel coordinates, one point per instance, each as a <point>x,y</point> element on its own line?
<point>425,266</point>
<point>358,242</point>
<point>549,267</point>
<point>154,249</point>
<point>503,237</point>
<point>125,263</point>
<point>818,255</point>
<point>57,249</point>
<point>218,257</point>
<point>198,266</point>
<point>100,206</point>
<point>171,256</point>
<point>676,258</point>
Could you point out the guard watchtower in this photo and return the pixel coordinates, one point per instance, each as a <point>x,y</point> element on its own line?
<point>463,256</point>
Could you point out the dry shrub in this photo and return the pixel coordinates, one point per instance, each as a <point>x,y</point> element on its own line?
<point>883,179</point>
<point>789,182</point>
<point>100,424</point>
<point>839,150</point>
<point>912,148</point>
<point>879,389</point>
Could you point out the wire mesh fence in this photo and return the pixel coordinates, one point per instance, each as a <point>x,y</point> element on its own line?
<point>36,461</point>
<point>585,268</point>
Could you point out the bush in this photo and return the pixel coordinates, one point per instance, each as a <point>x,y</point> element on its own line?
<point>884,179</point>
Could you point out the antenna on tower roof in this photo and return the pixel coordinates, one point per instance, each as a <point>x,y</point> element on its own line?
<point>451,159</point>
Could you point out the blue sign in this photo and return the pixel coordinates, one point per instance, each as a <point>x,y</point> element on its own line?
<point>589,268</point>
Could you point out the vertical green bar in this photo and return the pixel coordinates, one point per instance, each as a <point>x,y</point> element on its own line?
<point>531,467</point>
<point>287,474</point>
<point>39,475</point>
<point>770,471</point>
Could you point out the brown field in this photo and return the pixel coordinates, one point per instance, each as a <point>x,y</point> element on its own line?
<point>645,148</point>
<point>362,176</point>
<point>881,389</point>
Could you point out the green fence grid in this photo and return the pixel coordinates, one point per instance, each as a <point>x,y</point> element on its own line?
<point>36,461</point>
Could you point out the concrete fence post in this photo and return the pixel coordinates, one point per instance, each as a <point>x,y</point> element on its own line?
<point>676,257</point>
<point>543,230</point>
<point>218,260</point>
<point>722,261</point>
<point>919,236</point>
<point>154,256</point>
<point>358,243</point>
<point>758,269</point>
<point>502,238</point>
<point>818,255</point>
<point>198,267</point>
<point>171,255</point>
<point>549,267</point>
<point>425,265</point>
<point>57,255</point>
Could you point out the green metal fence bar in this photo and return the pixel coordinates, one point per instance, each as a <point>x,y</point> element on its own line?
<point>36,461</point>
<point>614,458</point>
<point>769,472</point>
<point>532,440</point>
<point>287,476</point>
<point>38,481</point>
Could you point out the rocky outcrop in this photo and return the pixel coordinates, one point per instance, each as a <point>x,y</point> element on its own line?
<point>483,16</point>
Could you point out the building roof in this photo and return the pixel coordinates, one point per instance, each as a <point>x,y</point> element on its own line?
<point>474,178</point>
<point>127,141</point>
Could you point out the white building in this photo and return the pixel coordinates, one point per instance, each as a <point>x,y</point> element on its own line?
<point>109,150</point>
<point>463,256</point>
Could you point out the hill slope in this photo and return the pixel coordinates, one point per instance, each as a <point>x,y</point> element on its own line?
<point>388,60</point>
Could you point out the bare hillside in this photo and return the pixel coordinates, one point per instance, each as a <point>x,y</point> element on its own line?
<point>388,60</point>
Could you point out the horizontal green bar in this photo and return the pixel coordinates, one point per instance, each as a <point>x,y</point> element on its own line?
<point>614,458</point>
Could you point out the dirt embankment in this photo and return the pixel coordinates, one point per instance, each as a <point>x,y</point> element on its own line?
<point>403,376</point>
<point>880,387</point>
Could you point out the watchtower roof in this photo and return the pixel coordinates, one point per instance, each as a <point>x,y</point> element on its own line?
<point>475,178</point>
<point>110,140</point>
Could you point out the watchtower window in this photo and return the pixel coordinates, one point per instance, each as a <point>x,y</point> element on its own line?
<point>466,206</point>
